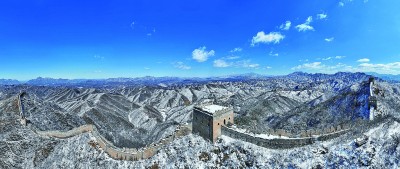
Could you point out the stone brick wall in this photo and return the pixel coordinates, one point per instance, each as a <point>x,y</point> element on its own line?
<point>202,124</point>
<point>284,143</point>
<point>219,121</point>
<point>208,125</point>
<point>114,152</point>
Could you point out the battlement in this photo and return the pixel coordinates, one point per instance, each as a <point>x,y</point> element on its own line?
<point>213,110</point>
<point>208,119</point>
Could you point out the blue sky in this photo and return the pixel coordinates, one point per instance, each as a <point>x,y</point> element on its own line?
<point>101,39</point>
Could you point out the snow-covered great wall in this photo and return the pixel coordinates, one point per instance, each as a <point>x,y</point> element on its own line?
<point>113,151</point>
<point>306,138</point>
<point>285,142</point>
<point>280,139</point>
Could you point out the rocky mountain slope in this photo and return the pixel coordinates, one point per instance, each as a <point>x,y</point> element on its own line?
<point>138,114</point>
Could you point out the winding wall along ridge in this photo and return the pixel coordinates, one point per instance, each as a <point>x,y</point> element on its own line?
<point>114,152</point>
<point>147,152</point>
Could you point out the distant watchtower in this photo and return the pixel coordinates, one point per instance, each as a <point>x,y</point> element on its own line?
<point>371,79</point>
<point>208,119</point>
<point>373,102</point>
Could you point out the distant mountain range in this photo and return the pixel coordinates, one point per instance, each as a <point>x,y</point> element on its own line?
<point>8,82</point>
<point>387,77</point>
<point>165,81</point>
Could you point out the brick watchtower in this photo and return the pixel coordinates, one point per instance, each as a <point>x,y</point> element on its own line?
<point>208,119</point>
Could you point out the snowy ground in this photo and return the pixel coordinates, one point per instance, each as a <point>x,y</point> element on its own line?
<point>381,149</point>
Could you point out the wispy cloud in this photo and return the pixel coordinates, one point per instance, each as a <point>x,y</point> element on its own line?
<point>344,2</point>
<point>286,25</point>
<point>247,64</point>
<point>328,58</point>
<point>99,57</point>
<point>305,60</point>
<point>220,63</point>
<point>331,58</point>
<point>272,37</point>
<point>364,66</point>
<point>322,16</point>
<point>314,65</point>
<point>389,67</point>
<point>323,68</point>
<point>132,25</point>
<point>363,60</point>
<point>236,50</point>
<point>273,54</point>
<point>181,65</point>
<point>232,57</point>
<point>201,54</point>
<point>329,39</point>
<point>224,62</point>
<point>306,25</point>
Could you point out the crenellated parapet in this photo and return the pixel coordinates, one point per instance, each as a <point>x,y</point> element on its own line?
<point>280,139</point>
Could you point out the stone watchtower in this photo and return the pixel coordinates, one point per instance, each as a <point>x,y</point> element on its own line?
<point>372,100</point>
<point>208,119</point>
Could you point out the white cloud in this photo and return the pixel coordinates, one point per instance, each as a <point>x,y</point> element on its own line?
<point>322,16</point>
<point>273,54</point>
<point>181,65</point>
<point>268,67</point>
<point>328,58</point>
<point>314,65</point>
<point>306,60</point>
<point>232,57</point>
<point>272,37</point>
<point>344,2</point>
<point>305,26</point>
<point>331,58</point>
<point>146,68</point>
<point>322,68</point>
<point>363,60</point>
<point>220,63</point>
<point>329,39</point>
<point>246,64</point>
<point>236,50</point>
<point>388,68</point>
<point>200,54</point>
<point>286,25</point>
<point>133,25</point>
<point>223,63</point>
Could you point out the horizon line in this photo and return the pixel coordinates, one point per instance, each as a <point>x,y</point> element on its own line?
<point>183,77</point>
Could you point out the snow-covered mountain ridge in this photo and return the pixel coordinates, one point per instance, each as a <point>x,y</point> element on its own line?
<point>136,115</point>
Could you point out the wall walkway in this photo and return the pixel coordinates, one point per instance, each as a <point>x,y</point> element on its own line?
<point>283,143</point>
<point>114,152</point>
